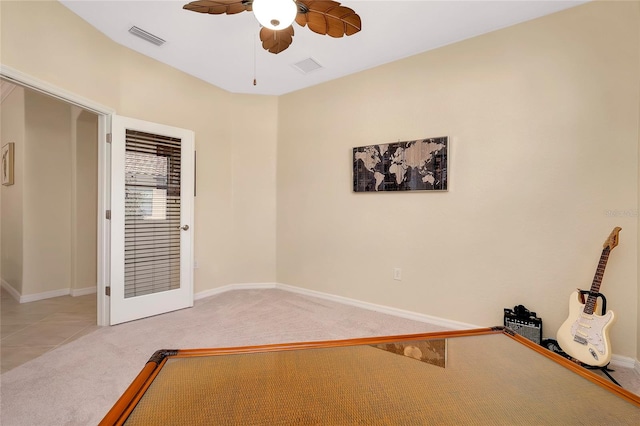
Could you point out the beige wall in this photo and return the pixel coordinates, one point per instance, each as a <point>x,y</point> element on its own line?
<point>47,195</point>
<point>47,41</point>
<point>12,130</point>
<point>84,202</point>
<point>50,217</point>
<point>543,121</point>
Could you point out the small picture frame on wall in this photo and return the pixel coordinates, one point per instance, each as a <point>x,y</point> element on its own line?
<point>7,163</point>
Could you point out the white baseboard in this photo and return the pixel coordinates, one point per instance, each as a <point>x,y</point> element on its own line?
<point>230,287</point>
<point>454,325</point>
<point>26,298</point>
<point>625,362</point>
<point>47,294</point>
<point>415,316</point>
<point>12,291</point>
<point>84,291</point>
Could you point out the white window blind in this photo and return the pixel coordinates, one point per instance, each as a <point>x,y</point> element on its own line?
<point>152,213</point>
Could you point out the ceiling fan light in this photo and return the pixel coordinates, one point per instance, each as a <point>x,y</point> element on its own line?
<point>275,14</point>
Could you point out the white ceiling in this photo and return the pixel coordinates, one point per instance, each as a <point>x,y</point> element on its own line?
<point>225,51</point>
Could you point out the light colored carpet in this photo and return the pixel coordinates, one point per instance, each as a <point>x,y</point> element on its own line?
<point>78,383</point>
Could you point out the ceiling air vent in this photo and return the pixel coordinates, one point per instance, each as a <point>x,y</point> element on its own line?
<point>307,65</point>
<point>146,36</point>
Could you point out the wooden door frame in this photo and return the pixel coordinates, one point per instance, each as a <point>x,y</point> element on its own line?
<point>104,114</point>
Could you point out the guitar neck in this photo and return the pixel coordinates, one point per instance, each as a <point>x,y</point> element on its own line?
<point>590,305</point>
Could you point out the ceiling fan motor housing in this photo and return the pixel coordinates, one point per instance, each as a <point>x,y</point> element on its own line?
<point>275,14</point>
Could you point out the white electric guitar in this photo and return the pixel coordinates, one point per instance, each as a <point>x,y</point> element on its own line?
<point>585,334</point>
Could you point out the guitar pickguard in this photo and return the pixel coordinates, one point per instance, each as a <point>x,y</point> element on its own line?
<point>588,329</point>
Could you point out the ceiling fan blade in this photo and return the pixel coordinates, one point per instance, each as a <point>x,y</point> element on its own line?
<point>328,17</point>
<point>218,7</point>
<point>276,41</point>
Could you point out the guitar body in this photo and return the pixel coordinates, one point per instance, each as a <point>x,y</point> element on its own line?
<point>584,336</point>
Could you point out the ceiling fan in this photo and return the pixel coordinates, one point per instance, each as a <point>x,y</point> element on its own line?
<point>276,17</point>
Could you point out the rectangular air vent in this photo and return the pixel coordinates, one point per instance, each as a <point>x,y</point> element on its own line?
<point>307,65</point>
<point>146,36</point>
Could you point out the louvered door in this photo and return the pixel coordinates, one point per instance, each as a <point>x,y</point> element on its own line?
<point>151,219</point>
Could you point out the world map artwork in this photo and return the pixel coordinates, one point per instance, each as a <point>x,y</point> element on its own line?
<point>401,166</point>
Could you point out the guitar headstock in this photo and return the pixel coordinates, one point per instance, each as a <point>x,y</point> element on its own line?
<point>612,241</point>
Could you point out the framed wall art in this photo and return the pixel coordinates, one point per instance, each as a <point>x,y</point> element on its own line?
<point>419,165</point>
<point>7,163</point>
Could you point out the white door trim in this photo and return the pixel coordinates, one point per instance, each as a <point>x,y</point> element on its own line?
<point>104,124</point>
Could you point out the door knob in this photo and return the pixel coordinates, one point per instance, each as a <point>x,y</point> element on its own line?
<point>184,228</point>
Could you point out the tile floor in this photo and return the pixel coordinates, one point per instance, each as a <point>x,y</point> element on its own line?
<point>28,330</point>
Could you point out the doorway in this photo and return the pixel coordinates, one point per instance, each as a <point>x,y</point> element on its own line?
<point>49,225</point>
<point>84,112</point>
<point>113,305</point>
<point>49,220</point>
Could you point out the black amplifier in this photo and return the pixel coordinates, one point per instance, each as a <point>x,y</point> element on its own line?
<point>524,322</point>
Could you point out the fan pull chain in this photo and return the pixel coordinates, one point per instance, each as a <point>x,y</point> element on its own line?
<point>255,82</point>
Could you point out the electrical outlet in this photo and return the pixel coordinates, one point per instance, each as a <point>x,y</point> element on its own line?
<point>397,274</point>
<point>195,264</point>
